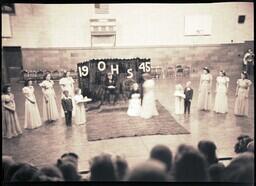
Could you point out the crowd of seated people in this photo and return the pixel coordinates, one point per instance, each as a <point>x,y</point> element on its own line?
<point>189,164</point>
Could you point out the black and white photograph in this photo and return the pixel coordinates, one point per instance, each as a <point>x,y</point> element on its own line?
<point>128,92</point>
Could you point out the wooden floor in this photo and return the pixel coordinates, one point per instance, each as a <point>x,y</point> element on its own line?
<point>44,145</point>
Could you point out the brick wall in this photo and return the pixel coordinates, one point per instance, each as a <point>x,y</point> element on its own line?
<point>216,57</point>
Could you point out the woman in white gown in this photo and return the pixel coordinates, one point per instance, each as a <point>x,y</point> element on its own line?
<point>50,110</point>
<point>80,117</point>
<point>134,107</point>
<point>242,95</point>
<point>148,108</point>
<point>67,83</point>
<point>205,86</point>
<point>179,99</point>
<point>221,99</point>
<point>32,116</point>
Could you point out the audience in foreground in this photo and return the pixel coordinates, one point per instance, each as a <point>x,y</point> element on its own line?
<point>187,165</point>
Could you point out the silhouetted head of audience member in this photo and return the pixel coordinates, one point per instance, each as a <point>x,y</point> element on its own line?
<point>121,167</point>
<point>240,169</point>
<point>149,171</point>
<point>183,148</point>
<point>241,145</point>
<point>52,172</point>
<point>70,157</point>
<point>24,173</point>
<point>163,154</point>
<point>41,177</point>
<point>208,149</point>
<point>69,171</point>
<point>216,171</point>
<point>13,169</point>
<point>7,162</point>
<point>250,146</point>
<point>190,166</point>
<point>102,168</point>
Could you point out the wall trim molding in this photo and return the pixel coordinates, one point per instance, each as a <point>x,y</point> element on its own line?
<point>130,47</point>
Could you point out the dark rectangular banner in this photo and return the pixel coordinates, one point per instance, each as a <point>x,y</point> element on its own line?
<point>92,75</point>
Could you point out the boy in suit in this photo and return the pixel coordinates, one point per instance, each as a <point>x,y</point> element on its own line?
<point>67,105</point>
<point>188,91</point>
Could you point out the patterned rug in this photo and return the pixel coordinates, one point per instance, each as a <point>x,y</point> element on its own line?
<point>109,123</point>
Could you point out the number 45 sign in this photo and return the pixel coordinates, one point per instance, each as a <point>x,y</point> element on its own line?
<point>145,66</point>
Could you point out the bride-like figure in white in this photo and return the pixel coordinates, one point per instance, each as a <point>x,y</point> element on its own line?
<point>134,101</point>
<point>148,108</point>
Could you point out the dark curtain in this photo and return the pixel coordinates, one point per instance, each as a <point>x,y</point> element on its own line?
<point>93,84</point>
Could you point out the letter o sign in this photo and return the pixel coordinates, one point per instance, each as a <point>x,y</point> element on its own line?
<point>101,66</point>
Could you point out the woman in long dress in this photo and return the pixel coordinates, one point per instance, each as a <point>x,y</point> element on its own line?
<point>221,99</point>
<point>67,83</point>
<point>10,122</point>
<point>50,110</point>
<point>179,99</point>
<point>32,116</point>
<point>80,117</point>
<point>134,107</point>
<point>205,86</point>
<point>148,108</point>
<point>242,93</point>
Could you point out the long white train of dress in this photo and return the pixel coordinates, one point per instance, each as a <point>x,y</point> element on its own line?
<point>148,108</point>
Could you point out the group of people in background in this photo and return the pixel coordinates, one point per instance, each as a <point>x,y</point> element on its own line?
<point>70,104</point>
<point>143,105</point>
<point>183,98</point>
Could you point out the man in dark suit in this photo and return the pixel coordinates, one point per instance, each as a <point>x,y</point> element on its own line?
<point>67,105</point>
<point>188,91</point>
<point>110,87</point>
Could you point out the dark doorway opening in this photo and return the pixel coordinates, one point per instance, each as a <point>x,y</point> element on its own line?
<point>11,63</point>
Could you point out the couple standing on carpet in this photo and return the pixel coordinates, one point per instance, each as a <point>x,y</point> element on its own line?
<point>147,107</point>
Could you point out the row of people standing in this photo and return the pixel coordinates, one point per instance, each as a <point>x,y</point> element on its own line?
<point>10,122</point>
<point>221,98</point>
<point>183,98</point>
<point>51,112</point>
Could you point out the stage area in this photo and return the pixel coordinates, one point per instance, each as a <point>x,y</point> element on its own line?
<point>44,145</point>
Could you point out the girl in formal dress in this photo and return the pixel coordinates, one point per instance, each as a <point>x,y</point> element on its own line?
<point>80,117</point>
<point>50,111</point>
<point>242,94</point>
<point>205,86</point>
<point>148,108</point>
<point>179,99</point>
<point>10,122</point>
<point>221,99</point>
<point>67,83</point>
<point>32,116</point>
<point>134,107</point>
